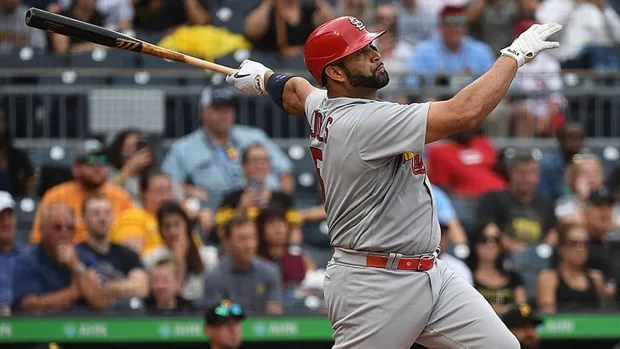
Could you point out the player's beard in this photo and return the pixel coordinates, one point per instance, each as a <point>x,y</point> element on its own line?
<point>375,82</point>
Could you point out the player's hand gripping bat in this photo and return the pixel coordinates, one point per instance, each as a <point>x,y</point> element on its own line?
<point>51,22</point>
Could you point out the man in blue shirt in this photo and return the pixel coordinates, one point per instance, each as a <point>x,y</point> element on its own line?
<point>55,276</point>
<point>450,53</point>
<point>8,249</point>
<point>209,158</point>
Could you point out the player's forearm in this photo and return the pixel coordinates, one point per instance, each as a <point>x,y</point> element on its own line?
<point>483,95</point>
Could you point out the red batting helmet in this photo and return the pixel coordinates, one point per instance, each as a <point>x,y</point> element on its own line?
<point>333,40</point>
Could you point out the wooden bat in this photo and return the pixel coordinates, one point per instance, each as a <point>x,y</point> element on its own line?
<point>51,22</point>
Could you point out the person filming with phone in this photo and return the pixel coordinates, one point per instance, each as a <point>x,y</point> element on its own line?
<point>256,195</point>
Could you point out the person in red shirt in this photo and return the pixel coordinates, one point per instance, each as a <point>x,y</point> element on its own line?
<point>463,166</point>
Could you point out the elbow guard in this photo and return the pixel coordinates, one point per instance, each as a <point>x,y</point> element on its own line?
<point>275,87</point>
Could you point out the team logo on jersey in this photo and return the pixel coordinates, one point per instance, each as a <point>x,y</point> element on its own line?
<point>417,165</point>
<point>357,23</point>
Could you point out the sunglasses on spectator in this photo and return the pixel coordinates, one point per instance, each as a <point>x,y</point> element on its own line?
<point>454,20</point>
<point>576,243</point>
<point>92,160</point>
<point>489,240</point>
<point>226,310</point>
<point>59,227</point>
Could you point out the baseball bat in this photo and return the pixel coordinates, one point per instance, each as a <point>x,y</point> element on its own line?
<point>51,22</point>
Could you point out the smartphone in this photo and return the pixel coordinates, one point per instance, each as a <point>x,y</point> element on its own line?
<point>143,142</point>
<point>255,184</point>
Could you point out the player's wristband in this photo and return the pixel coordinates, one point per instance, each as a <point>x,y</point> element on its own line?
<point>518,56</point>
<point>275,87</point>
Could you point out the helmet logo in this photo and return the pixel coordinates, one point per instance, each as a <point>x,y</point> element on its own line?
<point>357,23</point>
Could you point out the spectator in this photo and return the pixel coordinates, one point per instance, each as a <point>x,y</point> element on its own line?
<point>89,178</point>
<point>492,21</point>
<point>48,5</point>
<point>571,140</point>
<point>165,295</point>
<point>56,276</point>
<point>208,158</point>
<point>185,247</point>
<point>118,14</point>
<point>364,10</point>
<point>159,16</point>
<point>418,19</point>
<point>15,162</point>
<point>539,112</point>
<point>9,250</point>
<point>223,325</point>
<point>241,276</point>
<point>583,176</point>
<point>462,166</point>
<point>458,266</point>
<point>500,286</point>
<point>120,266</point>
<point>82,10</point>
<point>590,25</point>
<point>273,245</point>
<point>129,155</point>
<point>525,217</point>
<point>256,194</point>
<point>282,26</point>
<point>570,286</point>
<point>137,227</point>
<point>523,323</point>
<point>598,222</point>
<point>14,33</point>
<point>452,55</point>
<point>395,52</point>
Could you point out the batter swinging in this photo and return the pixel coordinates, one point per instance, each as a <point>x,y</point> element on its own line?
<point>385,287</point>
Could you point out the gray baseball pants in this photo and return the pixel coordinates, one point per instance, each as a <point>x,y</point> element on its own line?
<point>380,308</point>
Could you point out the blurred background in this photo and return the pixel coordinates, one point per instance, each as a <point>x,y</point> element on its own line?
<point>172,191</point>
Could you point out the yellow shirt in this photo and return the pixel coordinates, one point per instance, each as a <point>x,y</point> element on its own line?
<point>72,194</point>
<point>137,222</point>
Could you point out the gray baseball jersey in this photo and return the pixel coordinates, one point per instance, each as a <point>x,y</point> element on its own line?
<point>368,157</point>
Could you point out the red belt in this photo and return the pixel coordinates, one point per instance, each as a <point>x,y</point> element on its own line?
<point>405,263</point>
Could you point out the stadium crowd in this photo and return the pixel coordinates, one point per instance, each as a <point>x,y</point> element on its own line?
<point>218,217</point>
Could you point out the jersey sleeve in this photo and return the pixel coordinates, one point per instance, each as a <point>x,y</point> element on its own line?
<point>389,129</point>
<point>312,102</point>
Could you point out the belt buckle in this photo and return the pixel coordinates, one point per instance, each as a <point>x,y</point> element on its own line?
<point>431,257</point>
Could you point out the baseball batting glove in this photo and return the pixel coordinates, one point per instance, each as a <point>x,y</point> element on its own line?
<point>250,78</point>
<point>531,42</point>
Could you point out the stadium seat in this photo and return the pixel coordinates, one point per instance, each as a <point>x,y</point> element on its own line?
<point>27,58</point>
<point>152,62</point>
<point>231,14</point>
<point>70,77</point>
<point>25,211</point>
<point>303,170</point>
<point>52,175</point>
<point>144,78</point>
<point>104,58</point>
<point>55,156</point>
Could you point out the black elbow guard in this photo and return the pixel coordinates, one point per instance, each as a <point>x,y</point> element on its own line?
<point>275,87</point>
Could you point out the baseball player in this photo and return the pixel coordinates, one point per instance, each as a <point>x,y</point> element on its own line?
<point>385,286</point>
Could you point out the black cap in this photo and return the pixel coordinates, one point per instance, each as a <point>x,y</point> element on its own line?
<point>601,196</point>
<point>221,94</point>
<point>221,312</point>
<point>520,316</point>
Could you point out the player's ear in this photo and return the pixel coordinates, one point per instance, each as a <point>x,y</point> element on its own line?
<point>335,73</point>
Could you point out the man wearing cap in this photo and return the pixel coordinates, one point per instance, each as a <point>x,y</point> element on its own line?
<point>223,325</point>
<point>89,173</point>
<point>522,323</point>
<point>210,157</point>
<point>452,52</point>
<point>8,250</point>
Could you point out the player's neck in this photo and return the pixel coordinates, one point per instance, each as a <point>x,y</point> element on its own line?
<point>360,93</point>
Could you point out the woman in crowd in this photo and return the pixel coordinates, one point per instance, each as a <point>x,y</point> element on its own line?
<point>274,236</point>
<point>500,286</point>
<point>570,285</point>
<point>583,175</point>
<point>185,247</point>
<point>129,156</point>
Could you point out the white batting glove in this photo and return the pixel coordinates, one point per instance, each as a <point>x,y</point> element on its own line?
<point>250,78</point>
<point>531,42</point>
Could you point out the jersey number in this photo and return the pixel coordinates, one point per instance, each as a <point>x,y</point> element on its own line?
<point>317,157</point>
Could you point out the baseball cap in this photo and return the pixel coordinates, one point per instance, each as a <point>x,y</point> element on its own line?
<point>520,315</point>
<point>87,147</point>
<point>601,196</point>
<point>218,314</point>
<point>220,94</point>
<point>6,201</point>
<point>453,15</point>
